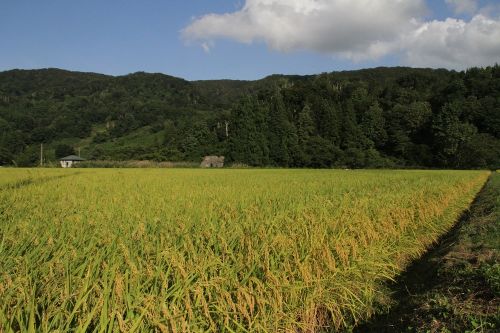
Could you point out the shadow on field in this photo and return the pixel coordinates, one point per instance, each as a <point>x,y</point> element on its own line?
<point>445,291</point>
<point>31,181</point>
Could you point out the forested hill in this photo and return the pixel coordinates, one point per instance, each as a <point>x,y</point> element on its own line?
<point>383,117</point>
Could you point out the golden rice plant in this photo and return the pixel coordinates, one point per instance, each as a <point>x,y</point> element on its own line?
<point>172,250</point>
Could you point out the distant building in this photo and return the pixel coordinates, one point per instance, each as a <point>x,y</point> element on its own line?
<point>212,162</point>
<point>69,161</point>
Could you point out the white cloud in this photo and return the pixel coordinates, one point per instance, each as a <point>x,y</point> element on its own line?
<point>206,46</point>
<point>463,6</point>
<point>359,30</point>
<point>356,29</point>
<point>454,43</point>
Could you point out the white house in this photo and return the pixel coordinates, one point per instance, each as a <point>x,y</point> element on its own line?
<point>69,161</point>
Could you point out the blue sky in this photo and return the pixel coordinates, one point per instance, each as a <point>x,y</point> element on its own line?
<point>122,36</point>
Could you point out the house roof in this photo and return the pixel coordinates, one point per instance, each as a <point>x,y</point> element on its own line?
<point>72,158</point>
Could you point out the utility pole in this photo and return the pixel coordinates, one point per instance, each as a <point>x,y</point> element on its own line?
<point>79,152</point>
<point>227,128</point>
<point>41,154</point>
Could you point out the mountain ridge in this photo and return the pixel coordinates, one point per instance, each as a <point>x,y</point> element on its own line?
<point>157,116</point>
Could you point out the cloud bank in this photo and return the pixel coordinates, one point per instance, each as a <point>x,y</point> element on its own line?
<point>359,30</point>
<point>454,43</point>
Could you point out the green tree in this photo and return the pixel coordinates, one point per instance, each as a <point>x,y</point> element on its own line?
<point>63,150</point>
<point>451,135</point>
<point>5,156</point>
<point>352,134</point>
<point>322,153</point>
<point>278,131</point>
<point>305,129</point>
<point>481,151</point>
<point>247,135</point>
<point>373,125</point>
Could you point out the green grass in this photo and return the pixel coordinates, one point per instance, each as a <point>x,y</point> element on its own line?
<point>117,148</point>
<point>138,139</point>
<point>214,250</point>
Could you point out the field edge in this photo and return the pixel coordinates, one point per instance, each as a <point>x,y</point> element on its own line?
<point>455,286</point>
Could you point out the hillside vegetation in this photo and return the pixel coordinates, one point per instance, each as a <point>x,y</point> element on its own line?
<point>384,117</point>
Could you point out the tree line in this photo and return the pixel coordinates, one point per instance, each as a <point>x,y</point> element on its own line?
<point>375,118</point>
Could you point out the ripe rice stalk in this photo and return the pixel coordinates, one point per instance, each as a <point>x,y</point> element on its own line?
<point>213,250</point>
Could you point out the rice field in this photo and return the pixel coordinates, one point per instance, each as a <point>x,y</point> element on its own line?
<point>190,250</point>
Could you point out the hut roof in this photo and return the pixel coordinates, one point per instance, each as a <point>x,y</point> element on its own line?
<point>72,158</point>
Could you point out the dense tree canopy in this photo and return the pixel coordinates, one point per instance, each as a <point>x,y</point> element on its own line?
<point>63,150</point>
<point>383,117</point>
